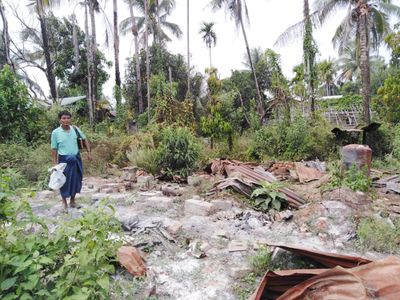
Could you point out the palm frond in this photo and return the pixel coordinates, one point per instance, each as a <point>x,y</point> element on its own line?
<point>344,33</point>
<point>327,8</point>
<point>174,28</point>
<point>380,27</point>
<point>389,8</point>
<point>125,26</point>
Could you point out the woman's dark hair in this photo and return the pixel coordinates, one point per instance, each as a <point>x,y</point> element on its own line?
<point>64,113</point>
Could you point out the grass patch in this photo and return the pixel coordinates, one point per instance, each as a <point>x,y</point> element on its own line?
<point>261,261</point>
<point>244,287</point>
<point>378,235</point>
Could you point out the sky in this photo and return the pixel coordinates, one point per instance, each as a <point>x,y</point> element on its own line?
<point>268,19</point>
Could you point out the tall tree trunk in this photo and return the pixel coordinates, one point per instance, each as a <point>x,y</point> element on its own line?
<point>89,67</point>
<point>260,106</point>
<point>116,55</point>
<point>6,37</point>
<point>49,64</point>
<point>209,53</point>
<point>364,59</point>
<point>93,49</point>
<point>188,50</point>
<point>309,57</point>
<point>75,42</point>
<point>158,26</point>
<point>137,60</point>
<point>146,35</point>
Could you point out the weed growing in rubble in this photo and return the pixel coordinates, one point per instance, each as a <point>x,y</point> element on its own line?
<point>245,286</point>
<point>260,262</point>
<point>379,235</point>
<point>353,178</point>
<point>268,197</point>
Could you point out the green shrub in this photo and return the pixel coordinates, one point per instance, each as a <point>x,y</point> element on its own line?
<point>381,141</point>
<point>301,139</point>
<point>13,177</point>
<point>178,151</point>
<point>37,163</point>
<point>29,162</point>
<point>378,235</point>
<point>144,158</point>
<point>74,262</point>
<point>353,178</point>
<point>13,155</point>
<point>396,142</point>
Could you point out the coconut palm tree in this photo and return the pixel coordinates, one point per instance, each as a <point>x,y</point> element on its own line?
<point>304,29</point>
<point>116,54</point>
<point>135,32</point>
<point>40,7</point>
<point>366,23</point>
<point>209,36</point>
<point>188,48</point>
<point>157,19</point>
<point>146,36</point>
<point>90,65</point>
<point>348,64</point>
<point>238,11</point>
<point>5,37</point>
<point>327,71</point>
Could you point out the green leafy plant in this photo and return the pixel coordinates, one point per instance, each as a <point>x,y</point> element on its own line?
<point>268,197</point>
<point>353,178</point>
<point>74,262</point>
<point>178,151</point>
<point>298,140</point>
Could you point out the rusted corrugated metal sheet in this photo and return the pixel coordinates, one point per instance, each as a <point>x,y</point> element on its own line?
<point>376,280</point>
<point>349,277</point>
<point>329,260</point>
<point>242,176</point>
<point>307,174</point>
<point>276,283</point>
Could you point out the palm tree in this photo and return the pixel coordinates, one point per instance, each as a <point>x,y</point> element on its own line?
<point>348,64</point>
<point>309,52</point>
<point>158,13</point>
<point>90,65</point>
<point>188,49</point>
<point>116,54</point>
<point>327,72</point>
<point>238,11</point>
<point>304,29</point>
<point>135,32</point>
<point>209,36</point>
<point>5,37</point>
<point>146,36</point>
<point>40,6</point>
<point>366,23</point>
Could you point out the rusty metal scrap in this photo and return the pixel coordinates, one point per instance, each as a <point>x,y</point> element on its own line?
<point>329,260</point>
<point>376,280</point>
<point>275,283</point>
<point>307,174</point>
<point>244,178</point>
<point>391,183</point>
<point>348,277</point>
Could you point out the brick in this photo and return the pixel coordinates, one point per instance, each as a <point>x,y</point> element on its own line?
<point>198,207</point>
<point>221,205</point>
<point>157,202</point>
